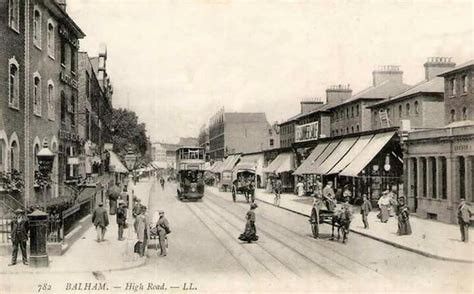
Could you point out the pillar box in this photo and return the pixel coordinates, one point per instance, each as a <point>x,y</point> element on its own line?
<point>38,222</point>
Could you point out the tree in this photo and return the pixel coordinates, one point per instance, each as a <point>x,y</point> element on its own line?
<point>127,132</point>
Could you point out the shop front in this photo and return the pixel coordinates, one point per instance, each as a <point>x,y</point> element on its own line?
<point>282,167</point>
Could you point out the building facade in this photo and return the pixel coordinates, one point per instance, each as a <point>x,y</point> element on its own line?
<point>439,163</point>
<point>232,132</point>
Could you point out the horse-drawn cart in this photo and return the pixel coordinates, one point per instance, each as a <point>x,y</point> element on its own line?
<point>341,218</point>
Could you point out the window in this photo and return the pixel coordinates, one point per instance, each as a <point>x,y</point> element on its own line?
<point>352,111</point>
<point>271,142</point>
<point>51,38</point>
<point>73,112</point>
<point>357,110</point>
<point>347,130</point>
<point>407,108</point>
<point>14,14</point>
<point>357,128</point>
<point>462,176</point>
<point>63,52</point>
<point>352,129</point>
<point>452,115</point>
<point>423,176</point>
<point>73,60</point>
<point>388,112</point>
<point>443,176</point>
<point>434,192</point>
<point>453,86</point>
<point>2,155</point>
<point>63,107</point>
<point>51,100</point>
<point>400,114</point>
<point>464,113</point>
<point>347,112</point>
<point>14,84</point>
<point>416,108</point>
<point>14,156</point>
<point>464,84</point>
<point>35,152</point>
<point>36,94</point>
<point>37,28</point>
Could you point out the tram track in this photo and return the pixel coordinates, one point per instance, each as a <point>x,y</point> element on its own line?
<point>304,244</point>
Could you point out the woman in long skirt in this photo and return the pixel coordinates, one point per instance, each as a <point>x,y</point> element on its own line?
<point>250,233</point>
<point>384,204</point>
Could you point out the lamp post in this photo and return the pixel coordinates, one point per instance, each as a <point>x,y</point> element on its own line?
<point>130,161</point>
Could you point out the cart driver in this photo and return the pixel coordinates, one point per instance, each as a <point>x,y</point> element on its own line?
<point>329,196</point>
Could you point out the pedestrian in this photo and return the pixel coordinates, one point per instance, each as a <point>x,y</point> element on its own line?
<point>137,207</point>
<point>393,196</point>
<point>347,194</point>
<point>403,211</point>
<point>100,221</point>
<point>300,188</point>
<point>329,196</point>
<point>384,205</point>
<point>250,232</point>
<point>121,219</point>
<point>464,218</point>
<point>19,235</point>
<point>142,230</point>
<point>163,229</point>
<point>162,182</point>
<point>364,210</point>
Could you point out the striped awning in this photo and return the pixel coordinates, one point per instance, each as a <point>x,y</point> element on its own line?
<point>284,162</point>
<point>304,168</point>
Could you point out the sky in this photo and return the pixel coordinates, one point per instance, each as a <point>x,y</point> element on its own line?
<point>176,63</point>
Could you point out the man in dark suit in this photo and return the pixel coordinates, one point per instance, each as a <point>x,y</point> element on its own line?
<point>464,218</point>
<point>100,221</point>
<point>364,210</point>
<point>163,229</point>
<point>19,235</point>
<point>121,218</point>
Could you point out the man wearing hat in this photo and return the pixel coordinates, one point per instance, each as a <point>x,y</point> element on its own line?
<point>19,235</point>
<point>121,218</point>
<point>100,221</point>
<point>464,218</point>
<point>329,196</point>
<point>163,228</point>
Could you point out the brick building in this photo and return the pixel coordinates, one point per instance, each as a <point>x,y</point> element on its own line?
<point>234,132</point>
<point>41,54</point>
<point>422,105</point>
<point>351,115</point>
<point>439,163</point>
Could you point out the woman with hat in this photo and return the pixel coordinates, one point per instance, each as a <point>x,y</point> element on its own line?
<point>384,204</point>
<point>250,233</point>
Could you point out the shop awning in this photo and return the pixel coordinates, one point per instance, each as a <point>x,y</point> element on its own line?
<point>367,154</point>
<point>329,149</point>
<point>215,167</point>
<point>160,164</point>
<point>349,157</point>
<point>338,153</point>
<point>257,159</point>
<point>284,162</point>
<point>230,162</point>
<point>115,165</point>
<point>304,168</point>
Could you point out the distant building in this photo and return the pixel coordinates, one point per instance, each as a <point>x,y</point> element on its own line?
<point>439,163</point>
<point>188,141</point>
<point>164,154</point>
<point>234,132</point>
<point>203,139</point>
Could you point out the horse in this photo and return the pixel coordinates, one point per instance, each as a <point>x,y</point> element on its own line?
<point>343,221</point>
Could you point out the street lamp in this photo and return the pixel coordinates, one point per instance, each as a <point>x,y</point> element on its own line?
<point>45,164</point>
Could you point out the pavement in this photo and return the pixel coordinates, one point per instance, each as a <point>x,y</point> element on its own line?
<point>429,238</point>
<point>88,255</point>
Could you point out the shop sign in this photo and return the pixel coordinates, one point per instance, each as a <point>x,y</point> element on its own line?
<point>307,132</point>
<point>68,80</point>
<point>73,160</point>
<point>462,147</point>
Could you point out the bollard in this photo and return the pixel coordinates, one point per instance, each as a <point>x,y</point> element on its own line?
<point>38,222</point>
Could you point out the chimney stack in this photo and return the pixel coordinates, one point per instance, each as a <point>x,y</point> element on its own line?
<point>338,93</point>
<point>387,73</point>
<point>436,65</point>
<point>62,4</point>
<point>308,105</point>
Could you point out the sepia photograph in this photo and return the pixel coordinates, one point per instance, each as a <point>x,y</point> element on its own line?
<point>236,146</point>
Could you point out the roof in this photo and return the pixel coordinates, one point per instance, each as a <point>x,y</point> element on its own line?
<point>434,86</point>
<point>384,90</point>
<point>323,108</point>
<point>457,68</point>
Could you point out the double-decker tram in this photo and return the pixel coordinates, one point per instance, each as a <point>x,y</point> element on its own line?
<point>190,172</point>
